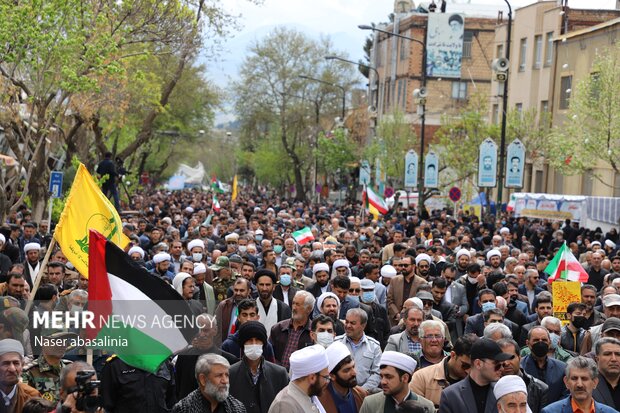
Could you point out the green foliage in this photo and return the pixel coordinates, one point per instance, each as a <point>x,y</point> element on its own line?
<point>271,163</point>
<point>336,151</point>
<point>591,130</point>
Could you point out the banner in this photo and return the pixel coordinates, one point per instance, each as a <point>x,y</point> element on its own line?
<point>487,164</point>
<point>564,293</point>
<point>444,45</point>
<point>364,178</point>
<point>431,170</point>
<point>379,176</point>
<point>411,169</point>
<point>515,163</point>
<point>548,206</point>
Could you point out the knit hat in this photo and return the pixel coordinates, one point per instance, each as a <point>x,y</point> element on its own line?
<point>252,329</point>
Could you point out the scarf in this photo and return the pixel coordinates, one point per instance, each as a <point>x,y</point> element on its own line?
<point>268,319</point>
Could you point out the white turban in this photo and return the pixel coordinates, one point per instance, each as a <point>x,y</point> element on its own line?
<point>9,345</point>
<point>135,249</point>
<point>423,257</point>
<point>387,271</point>
<point>398,360</point>
<point>31,246</point>
<point>161,257</point>
<point>504,230</point>
<point>493,253</point>
<point>195,243</point>
<point>199,268</point>
<point>336,352</point>
<point>231,237</point>
<point>321,266</point>
<point>416,301</point>
<point>355,280</point>
<point>462,252</point>
<point>2,239</point>
<point>177,281</point>
<point>610,243</point>
<point>322,297</point>
<point>341,263</point>
<point>595,243</point>
<point>510,384</point>
<point>307,361</point>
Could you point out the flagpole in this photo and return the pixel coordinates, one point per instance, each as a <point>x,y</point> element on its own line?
<point>37,281</point>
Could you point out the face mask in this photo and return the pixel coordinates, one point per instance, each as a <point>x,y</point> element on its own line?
<point>197,257</point>
<point>503,222</point>
<point>368,296</point>
<point>243,248</point>
<point>472,280</point>
<point>253,351</point>
<point>285,280</point>
<point>579,321</point>
<point>258,237</point>
<point>488,306</point>
<point>555,340</point>
<point>277,249</point>
<point>540,349</point>
<point>354,298</point>
<point>363,237</point>
<point>579,242</point>
<point>325,338</point>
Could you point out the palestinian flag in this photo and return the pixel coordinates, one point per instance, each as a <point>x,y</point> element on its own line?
<point>564,266</point>
<point>215,204</point>
<point>303,236</point>
<point>376,201</point>
<point>137,316</point>
<point>217,186</point>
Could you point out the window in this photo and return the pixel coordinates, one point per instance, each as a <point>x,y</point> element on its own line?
<point>522,54</point>
<point>544,118</point>
<point>544,106</point>
<point>565,90</point>
<point>459,90</point>
<point>537,51</point>
<point>468,37</point>
<point>499,52</point>
<point>549,49</point>
<point>404,49</point>
<point>495,114</point>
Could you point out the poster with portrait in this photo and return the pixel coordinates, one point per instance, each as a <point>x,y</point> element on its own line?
<point>431,170</point>
<point>444,45</point>
<point>515,163</point>
<point>487,164</point>
<point>411,169</point>
<point>364,179</point>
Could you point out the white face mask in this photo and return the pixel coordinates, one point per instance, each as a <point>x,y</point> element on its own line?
<point>253,351</point>
<point>325,338</point>
<point>75,308</point>
<point>197,257</point>
<point>243,248</point>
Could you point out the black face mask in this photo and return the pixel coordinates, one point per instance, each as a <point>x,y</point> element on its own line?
<point>540,349</point>
<point>579,321</point>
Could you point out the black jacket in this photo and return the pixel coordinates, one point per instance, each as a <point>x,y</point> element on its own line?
<point>257,398</point>
<point>536,392</point>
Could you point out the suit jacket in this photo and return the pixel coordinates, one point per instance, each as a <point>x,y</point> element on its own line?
<point>327,400</point>
<point>279,294</point>
<point>602,394</point>
<point>523,291</point>
<point>376,403</point>
<point>475,324</point>
<point>395,297</point>
<point>315,290</point>
<point>553,376</point>
<point>257,398</point>
<point>525,330</point>
<point>564,406</point>
<point>223,314</point>
<point>459,398</point>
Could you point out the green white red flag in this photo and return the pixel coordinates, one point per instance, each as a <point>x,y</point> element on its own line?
<point>303,236</point>
<point>376,201</point>
<point>215,204</point>
<point>564,266</point>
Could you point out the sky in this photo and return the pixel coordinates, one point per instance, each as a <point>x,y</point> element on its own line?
<point>337,18</point>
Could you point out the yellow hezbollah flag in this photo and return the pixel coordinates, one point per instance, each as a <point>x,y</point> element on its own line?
<point>373,211</point>
<point>234,188</point>
<point>86,208</point>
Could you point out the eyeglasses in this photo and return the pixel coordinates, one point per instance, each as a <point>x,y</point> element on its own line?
<point>355,290</point>
<point>325,377</point>
<point>436,337</point>
<point>497,366</point>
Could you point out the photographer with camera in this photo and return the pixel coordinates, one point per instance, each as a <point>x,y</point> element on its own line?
<point>79,392</point>
<point>108,167</point>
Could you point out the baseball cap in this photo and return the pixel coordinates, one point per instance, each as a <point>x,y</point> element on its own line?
<point>611,300</point>
<point>221,262</point>
<point>612,323</point>
<point>425,295</point>
<point>485,348</point>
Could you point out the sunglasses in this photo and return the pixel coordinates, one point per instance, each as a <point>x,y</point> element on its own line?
<point>497,366</point>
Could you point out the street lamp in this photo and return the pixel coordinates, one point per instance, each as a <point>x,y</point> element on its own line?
<point>330,84</point>
<point>502,150</point>
<point>363,65</point>
<point>422,105</point>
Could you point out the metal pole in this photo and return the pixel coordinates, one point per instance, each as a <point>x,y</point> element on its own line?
<point>502,151</point>
<point>422,130</point>
<point>362,65</point>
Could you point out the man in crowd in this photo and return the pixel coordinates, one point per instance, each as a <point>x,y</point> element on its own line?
<point>408,341</point>
<point>14,393</point>
<point>227,310</point>
<point>608,363</point>
<point>270,310</point>
<point>511,394</point>
<point>403,286</point>
<point>342,395</point>
<point>290,335</point>
<point>573,332</point>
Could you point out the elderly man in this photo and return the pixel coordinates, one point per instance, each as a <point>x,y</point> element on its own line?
<point>408,341</point>
<point>608,362</point>
<point>611,308</point>
<point>366,350</point>
<point>433,339</point>
<point>309,379</point>
<point>212,373</point>
<point>343,395</point>
<point>329,304</point>
<point>511,394</point>
<point>431,381</point>
<point>475,392</point>
<point>320,272</point>
<point>290,335</point>
<point>32,263</point>
<point>581,380</point>
<point>227,310</point>
<point>14,393</point>
<point>396,372</point>
<point>254,381</point>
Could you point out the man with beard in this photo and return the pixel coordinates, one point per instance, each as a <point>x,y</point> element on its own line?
<point>309,378</point>
<point>294,333</point>
<point>402,287</point>
<point>11,364</point>
<point>463,256</point>
<point>270,310</point>
<point>588,297</point>
<point>32,264</point>
<point>573,332</point>
<point>396,372</point>
<point>408,342</point>
<point>494,257</point>
<point>343,395</point>
<point>608,360</point>
<point>162,266</point>
<point>329,305</point>
<point>227,311</point>
<point>212,372</point>
<point>321,275</point>
<point>530,288</point>
<point>423,264</point>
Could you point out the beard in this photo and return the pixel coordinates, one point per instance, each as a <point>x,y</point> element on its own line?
<point>322,283</point>
<point>347,384</point>
<point>218,393</point>
<point>315,389</point>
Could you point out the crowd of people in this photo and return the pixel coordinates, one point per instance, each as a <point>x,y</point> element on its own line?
<point>410,312</point>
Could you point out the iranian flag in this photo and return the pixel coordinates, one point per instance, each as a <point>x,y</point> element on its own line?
<point>376,201</point>
<point>565,266</point>
<point>217,185</point>
<point>137,316</point>
<point>215,204</point>
<point>303,236</point>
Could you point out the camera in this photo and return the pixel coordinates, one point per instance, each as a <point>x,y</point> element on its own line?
<point>120,167</point>
<point>86,401</point>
